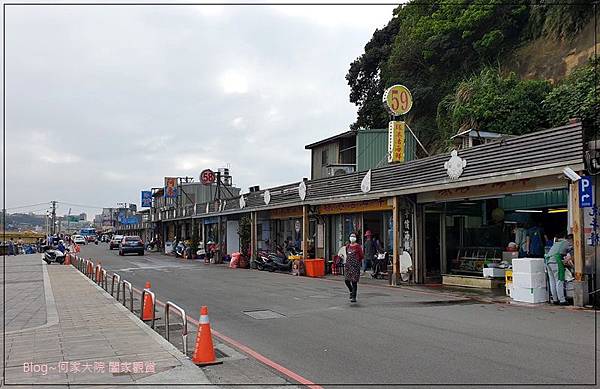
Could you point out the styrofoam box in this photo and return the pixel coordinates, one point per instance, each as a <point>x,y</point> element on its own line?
<point>528,265</point>
<point>529,295</point>
<point>493,272</point>
<point>529,280</point>
<point>510,255</point>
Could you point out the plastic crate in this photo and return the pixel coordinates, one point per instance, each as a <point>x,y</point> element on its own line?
<point>314,267</point>
<point>508,279</point>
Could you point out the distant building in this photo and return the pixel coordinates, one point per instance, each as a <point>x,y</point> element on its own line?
<point>83,217</point>
<point>470,138</point>
<point>353,151</point>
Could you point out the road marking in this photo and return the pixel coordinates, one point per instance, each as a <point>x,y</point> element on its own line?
<point>256,355</point>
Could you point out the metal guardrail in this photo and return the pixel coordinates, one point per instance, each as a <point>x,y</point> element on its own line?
<point>151,293</point>
<point>128,284</point>
<point>112,284</point>
<point>184,331</point>
<point>104,281</point>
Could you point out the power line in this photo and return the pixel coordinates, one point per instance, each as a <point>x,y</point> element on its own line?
<point>27,206</point>
<point>81,205</point>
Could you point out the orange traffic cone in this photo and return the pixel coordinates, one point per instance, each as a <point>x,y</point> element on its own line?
<point>148,308</point>
<point>204,352</point>
<point>67,259</point>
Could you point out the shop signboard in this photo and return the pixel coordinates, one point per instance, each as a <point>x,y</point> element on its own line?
<point>398,100</point>
<point>491,189</point>
<point>585,192</point>
<point>396,141</point>
<point>146,198</point>
<point>285,213</point>
<point>207,177</point>
<point>357,206</point>
<point>170,187</point>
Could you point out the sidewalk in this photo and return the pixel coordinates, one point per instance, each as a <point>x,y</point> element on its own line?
<point>63,329</point>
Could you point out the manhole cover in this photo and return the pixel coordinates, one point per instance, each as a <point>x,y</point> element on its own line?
<point>263,314</point>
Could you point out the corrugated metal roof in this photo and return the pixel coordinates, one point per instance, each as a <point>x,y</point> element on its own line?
<point>518,157</point>
<point>345,134</point>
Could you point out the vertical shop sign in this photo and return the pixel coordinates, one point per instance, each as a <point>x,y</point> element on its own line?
<point>170,187</point>
<point>407,235</point>
<point>594,237</point>
<point>146,198</point>
<point>396,141</point>
<point>320,235</point>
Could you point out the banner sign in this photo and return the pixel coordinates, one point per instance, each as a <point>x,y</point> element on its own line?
<point>170,187</point>
<point>73,218</point>
<point>396,141</point>
<point>146,198</point>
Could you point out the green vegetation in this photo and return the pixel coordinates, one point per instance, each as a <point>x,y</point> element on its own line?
<point>451,56</point>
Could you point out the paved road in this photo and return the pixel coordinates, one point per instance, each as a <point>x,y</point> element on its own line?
<point>389,336</point>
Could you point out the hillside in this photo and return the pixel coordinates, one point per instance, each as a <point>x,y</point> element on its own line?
<point>553,59</point>
<point>511,68</point>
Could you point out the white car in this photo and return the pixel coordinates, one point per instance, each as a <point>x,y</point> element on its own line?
<point>78,239</point>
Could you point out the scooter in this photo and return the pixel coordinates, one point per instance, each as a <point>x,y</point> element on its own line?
<point>52,255</point>
<point>179,250</point>
<point>277,262</point>
<point>261,260</point>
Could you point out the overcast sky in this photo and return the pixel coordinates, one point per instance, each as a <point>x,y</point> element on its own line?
<point>105,101</point>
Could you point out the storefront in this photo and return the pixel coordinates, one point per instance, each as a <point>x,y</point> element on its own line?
<point>278,226</point>
<point>465,229</point>
<point>342,219</point>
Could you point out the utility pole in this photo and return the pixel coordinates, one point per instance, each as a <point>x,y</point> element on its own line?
<point>53,226</point>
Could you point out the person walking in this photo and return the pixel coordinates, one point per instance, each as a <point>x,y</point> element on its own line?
<point>354,257</point>
<point>11,247</point>
<point>555,266</point>
<point>370,248</point>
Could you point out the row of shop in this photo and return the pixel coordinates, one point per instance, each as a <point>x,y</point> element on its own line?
<point>450,213</point>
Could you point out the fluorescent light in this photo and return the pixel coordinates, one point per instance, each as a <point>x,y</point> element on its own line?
<point>528,211</point>
<point>558,210</point>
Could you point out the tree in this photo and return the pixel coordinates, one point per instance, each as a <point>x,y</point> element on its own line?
<point>364,78</point>
<point>489,101</point>
<point>577,96</point>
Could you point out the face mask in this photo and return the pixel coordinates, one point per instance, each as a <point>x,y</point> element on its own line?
<point>352,239</point>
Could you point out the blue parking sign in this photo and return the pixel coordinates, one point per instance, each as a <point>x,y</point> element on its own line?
<point>586,198</point>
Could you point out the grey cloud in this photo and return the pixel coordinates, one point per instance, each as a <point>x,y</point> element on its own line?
<point>127,95</point>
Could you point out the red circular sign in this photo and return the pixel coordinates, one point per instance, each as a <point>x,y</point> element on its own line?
<point>207,177</point>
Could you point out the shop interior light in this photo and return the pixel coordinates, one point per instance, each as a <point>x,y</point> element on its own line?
<point>528,211</point>
<point>558,210</point>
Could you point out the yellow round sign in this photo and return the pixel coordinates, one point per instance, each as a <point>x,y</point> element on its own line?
<point>397,100</point>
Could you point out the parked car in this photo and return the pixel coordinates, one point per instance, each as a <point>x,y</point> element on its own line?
<point>131,244</point>
<point>78,239</point>
<point>115,241</point>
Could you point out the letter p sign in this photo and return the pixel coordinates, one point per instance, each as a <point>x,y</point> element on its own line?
<point>585,192</point>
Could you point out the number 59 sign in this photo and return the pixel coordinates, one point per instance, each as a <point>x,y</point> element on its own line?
<point>397,100</point>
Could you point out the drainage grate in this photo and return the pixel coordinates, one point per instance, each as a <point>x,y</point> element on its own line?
<point>263,314</point>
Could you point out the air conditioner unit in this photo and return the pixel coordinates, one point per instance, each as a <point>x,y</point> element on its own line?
<point>339,170</point>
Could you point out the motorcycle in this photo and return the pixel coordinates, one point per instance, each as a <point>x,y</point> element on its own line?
<point>53,255</point>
